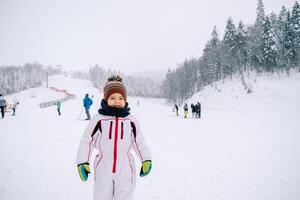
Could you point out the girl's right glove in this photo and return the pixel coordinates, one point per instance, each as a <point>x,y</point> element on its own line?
<point>146,168</point>
<point>83,170</point>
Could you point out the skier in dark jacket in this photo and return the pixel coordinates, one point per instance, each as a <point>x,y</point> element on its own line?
<point>176,109</point>
<point>193,107</point>
<point>2,105</point>
<point>198,110</point>
<point>87,102</point>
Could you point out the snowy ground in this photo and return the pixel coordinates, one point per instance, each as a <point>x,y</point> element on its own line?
<point>246,146</point>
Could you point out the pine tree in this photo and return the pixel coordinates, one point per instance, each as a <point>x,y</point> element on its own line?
<point>281,32</point>
<point>212,57</point>
<point>228,49</point>
<point>241,45</point>
<point>255,41</point>
<point>229,35</point>
<point>205,69</point>
<point>288,42</point>
<point>215,41</point>
<point>295,20</point>
<point>269,48</point>
<point>260,14</point>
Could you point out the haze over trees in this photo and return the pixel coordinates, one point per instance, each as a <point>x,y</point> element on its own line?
<point>136,85</point>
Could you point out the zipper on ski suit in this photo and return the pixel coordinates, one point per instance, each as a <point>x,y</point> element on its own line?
<point>115,146</point>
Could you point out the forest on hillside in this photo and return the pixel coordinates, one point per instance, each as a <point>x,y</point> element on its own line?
<point>271,44</point>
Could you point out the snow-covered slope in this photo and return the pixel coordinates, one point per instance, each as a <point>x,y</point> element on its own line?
<point>245,146</point>
<point>270,94</point>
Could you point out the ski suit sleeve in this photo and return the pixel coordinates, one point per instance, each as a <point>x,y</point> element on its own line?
<point>139,145</point>
<point>87,141</point>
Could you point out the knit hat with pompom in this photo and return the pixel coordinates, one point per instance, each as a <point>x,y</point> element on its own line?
<point>114,84</point>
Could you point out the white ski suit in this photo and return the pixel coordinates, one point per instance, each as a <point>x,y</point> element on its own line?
<point>114,165</point>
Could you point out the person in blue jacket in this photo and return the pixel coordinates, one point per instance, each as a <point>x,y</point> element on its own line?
<point>87,102</point>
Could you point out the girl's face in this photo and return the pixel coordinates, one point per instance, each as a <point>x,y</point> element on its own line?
<point>116,100</point>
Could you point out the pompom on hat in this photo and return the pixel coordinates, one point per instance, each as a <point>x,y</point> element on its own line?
<point>114,84</point>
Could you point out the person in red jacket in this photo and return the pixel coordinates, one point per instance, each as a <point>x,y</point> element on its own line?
<point>113,132</point>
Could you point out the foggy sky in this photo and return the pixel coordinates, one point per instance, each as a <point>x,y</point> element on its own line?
<point>127,35</point>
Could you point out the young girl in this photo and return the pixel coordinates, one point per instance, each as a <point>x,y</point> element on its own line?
<point>113,132</point>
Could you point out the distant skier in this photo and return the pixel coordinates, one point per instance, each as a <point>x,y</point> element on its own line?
<point>176,109</point>
<point>14,107</point>
<point>113,132</point>
<point>87,102</point>
<point>193,108</point>
<point>198,110</point>
<point>58,105</point>
<point>2,105</point>
<point>186,110</point>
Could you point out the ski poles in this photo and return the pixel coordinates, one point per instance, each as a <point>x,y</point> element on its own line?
<point>80,113</point>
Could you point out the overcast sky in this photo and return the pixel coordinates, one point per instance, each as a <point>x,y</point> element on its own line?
<point>127,35</point>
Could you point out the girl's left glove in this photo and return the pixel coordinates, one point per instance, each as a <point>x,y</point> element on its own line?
<point>146,168</point>
<point>83,170</point>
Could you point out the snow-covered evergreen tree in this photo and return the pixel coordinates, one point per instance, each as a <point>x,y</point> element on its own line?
<point>228,49</point>
<point>269,48</point>
<point>288,42</point>
<point>241,46</point>
<point>281,32</point>
<point>295,20</point>
<point>229,35</point>
<point>255,41</point>
<point>260,14</point>
<point>211,57</point>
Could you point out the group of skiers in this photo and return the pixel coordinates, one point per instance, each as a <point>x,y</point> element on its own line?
<point>196,110</point>
<point>3,106</point>
<point>87,102</point>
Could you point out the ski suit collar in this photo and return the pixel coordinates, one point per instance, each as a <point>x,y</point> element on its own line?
<point>111,111</point>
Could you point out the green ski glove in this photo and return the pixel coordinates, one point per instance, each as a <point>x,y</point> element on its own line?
<point>83,170</point>
<point>146,168</point>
